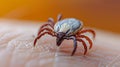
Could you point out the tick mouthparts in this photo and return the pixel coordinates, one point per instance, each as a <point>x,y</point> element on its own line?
<point>60,38</point>
<point>59,41</point>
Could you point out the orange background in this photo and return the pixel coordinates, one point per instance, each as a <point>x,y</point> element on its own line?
<point>102,14</point>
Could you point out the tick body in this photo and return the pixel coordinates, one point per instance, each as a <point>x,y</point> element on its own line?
<point>69,25</point>
<point>69,28</point>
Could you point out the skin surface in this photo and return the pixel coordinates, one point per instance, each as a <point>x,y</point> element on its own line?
<point>16,48</point>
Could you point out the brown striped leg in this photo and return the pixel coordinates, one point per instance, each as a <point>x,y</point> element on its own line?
<point>50,24</point>
<point>84,44</point>
<point>39,36</point>
<point>87,38</point>
<point>41,30</point>
<point>88,30</point>
<point>45,25</point>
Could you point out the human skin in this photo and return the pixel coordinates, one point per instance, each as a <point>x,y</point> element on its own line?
<point>16,48</point>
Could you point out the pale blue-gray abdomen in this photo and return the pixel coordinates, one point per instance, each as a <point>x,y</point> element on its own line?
<point>71,25</point>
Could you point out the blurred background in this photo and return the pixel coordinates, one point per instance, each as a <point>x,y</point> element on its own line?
<point>101,14</point>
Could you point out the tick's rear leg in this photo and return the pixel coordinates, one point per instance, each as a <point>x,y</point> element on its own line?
<point>88,30</point>
<point>87,38</point>
<point>84,44</point>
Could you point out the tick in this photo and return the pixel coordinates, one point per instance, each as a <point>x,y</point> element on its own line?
<point>69,28</point>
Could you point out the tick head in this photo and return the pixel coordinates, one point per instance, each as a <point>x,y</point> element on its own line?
<point>60,38</point>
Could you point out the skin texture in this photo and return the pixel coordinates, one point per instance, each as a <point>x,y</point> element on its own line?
<point>16,48</point>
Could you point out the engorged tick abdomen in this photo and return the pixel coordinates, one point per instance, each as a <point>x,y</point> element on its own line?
<point>71,25</point>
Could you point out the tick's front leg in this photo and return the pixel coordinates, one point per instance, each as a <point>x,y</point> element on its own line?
<point>38,37</point>
<point>75,43</point>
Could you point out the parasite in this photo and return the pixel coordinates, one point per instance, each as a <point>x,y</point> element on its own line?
<point>69,29</point>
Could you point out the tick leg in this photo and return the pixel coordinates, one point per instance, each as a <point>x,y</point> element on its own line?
<point>59,17</point>
<point>46,25</point>
<point>75,43</point>
<point>88,39</point>
<point>75,46</point>
<point>38,37</point>
<point>84,44</point>
<point>41,30</point>
<point>50,24</point>
<point>51,20</point>
<point>88,30</point>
